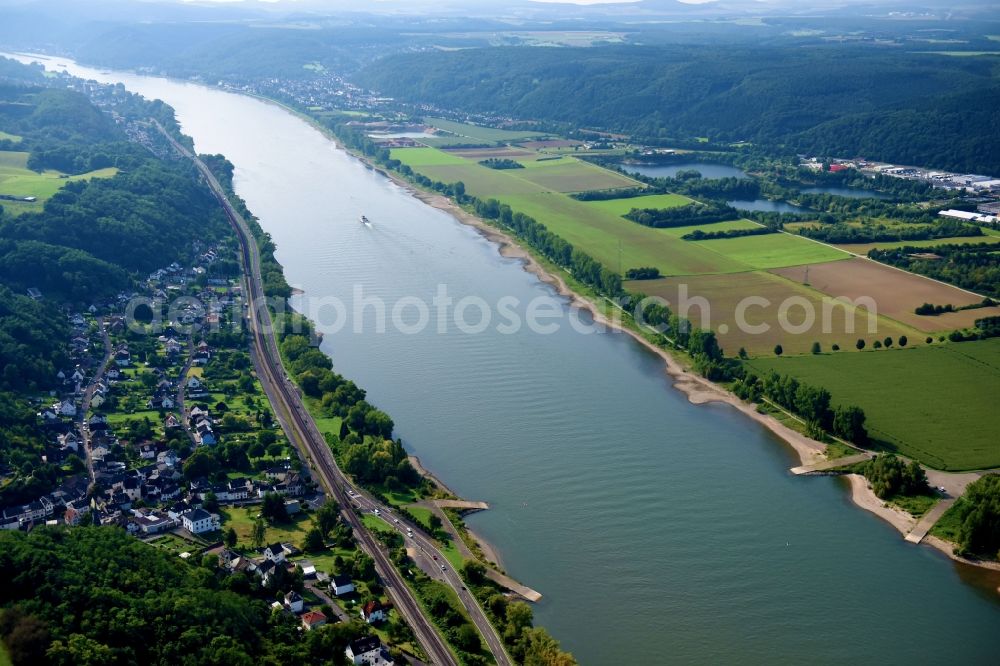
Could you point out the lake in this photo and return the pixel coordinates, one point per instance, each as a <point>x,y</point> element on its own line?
<point>707,170</point>
<point>767,206</point>
<point>849,192</point>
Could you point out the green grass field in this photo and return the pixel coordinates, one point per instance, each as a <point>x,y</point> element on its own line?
<point>933,403</point>
<point>421,157</point>
<point>477,133</point>
<point>422,514</point>
<point>623,206</point>
<point>241,519</point>
<point>601,234</point>
<point>597,226</point>
<point>728,225</point>
<point>4,657</point>
<point>19,181</point>
<point>773,250</point>
<point>572,175</point>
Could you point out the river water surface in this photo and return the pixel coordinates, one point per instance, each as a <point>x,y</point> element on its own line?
<point>658,531</point>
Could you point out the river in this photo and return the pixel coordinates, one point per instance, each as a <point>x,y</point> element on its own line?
<point>658,531</point>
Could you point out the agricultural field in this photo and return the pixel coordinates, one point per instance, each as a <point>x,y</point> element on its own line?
<point>728,225</point>
<point>896,293</point>
<point>473,133</point>
<point>607,237</point>
<point>4,136</point>
<point>572,175</point>
<point>421,157</point>
<point>478,154</point>
<point>897,388</point>
<point>624,206</point>
<point>841,325</point>
<point>773,250</point>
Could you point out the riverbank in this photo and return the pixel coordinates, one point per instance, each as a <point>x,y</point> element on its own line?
<point>697,389</point>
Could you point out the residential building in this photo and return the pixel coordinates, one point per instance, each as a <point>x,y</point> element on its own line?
<point>313,619</point>
<point>197,521</point>
<point>368,651</point>
<point>341,584</point>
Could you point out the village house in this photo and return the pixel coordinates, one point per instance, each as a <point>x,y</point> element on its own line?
<point>368,651</point>
<point>313,619</point>
<point>198,521</point>
<point>268,570</point>
<point>293,602</point>
<point>152,522</point>
<point>76,512</point>
<point>374,611</point>
<point>69,441</point>
<point>27,513</point>
<point>341,584</point>
<point>123,358</point>
<point>275,553</point>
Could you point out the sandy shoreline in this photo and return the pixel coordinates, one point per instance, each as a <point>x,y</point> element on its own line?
<point>862,495</point>
<point>698,390</point>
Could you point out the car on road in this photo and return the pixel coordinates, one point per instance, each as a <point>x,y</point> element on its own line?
<point>444,568</point>
<point>376,512</point>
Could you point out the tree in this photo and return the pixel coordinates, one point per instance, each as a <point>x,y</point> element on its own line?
<point>467,639</point>
<point>210,503</point>
<point>200,463</point>
<point>902,341</point>
<point>474,572</point>
<point>742,353</point>
<point>849,424</point>
<point>860,344</point>
<point>888,342</point>
<point>327,517</point>
<point>816,348</point>
<point>778,351</point>
<point>230,538</point>
<point>877,344</point>
<point>256,449</point>
<point>314,541</point>
<point>273,508</point>
<point>519,618</point>
<point>835,347</point>
<point>435,522</point>
<point>276,449</point>
<point>258,533</point>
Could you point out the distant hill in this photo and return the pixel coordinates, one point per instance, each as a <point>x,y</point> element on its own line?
<point>846,100</point>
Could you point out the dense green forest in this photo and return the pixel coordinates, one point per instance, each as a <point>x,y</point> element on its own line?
<point>90,596</point>
<point>906,107</point>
